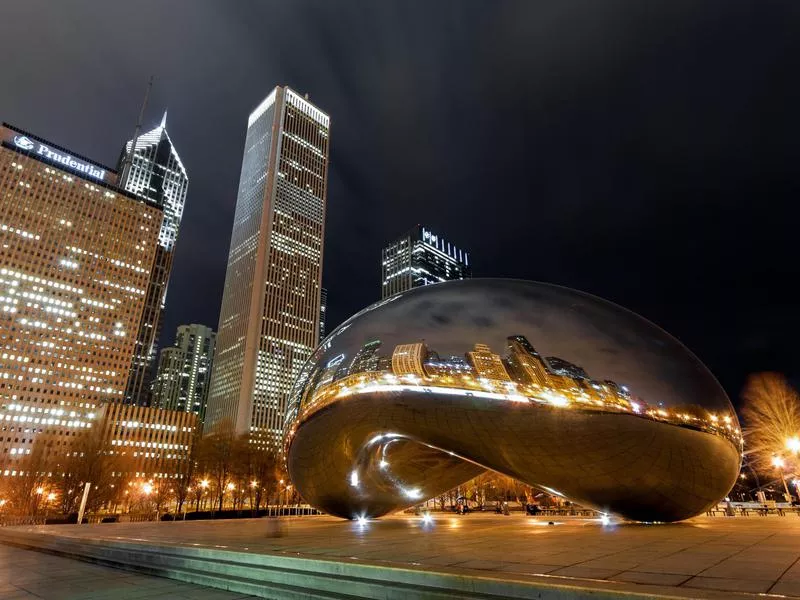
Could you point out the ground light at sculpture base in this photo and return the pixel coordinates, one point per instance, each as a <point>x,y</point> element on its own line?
<point>424,390</point>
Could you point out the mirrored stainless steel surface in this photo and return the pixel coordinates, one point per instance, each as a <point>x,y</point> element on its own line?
<point>559,389</point>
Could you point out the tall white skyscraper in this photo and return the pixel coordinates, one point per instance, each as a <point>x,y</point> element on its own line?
<point>156,174</point>
<point>269,319</point>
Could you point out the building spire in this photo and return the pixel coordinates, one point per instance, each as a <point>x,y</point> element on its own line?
<point>126,167</point>
<point>164,120</point>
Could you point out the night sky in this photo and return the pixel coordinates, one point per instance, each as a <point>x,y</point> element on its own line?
<point>643,152</point>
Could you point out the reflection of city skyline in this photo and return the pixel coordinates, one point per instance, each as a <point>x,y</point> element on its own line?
<point>521,375</point>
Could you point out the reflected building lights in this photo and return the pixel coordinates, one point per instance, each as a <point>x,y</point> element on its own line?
<point>411,397</point>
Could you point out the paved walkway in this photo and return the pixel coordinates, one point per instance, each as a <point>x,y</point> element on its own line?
<point>741,554</point>
<point>27,575</point>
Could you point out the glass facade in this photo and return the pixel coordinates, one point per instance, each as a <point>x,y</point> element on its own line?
<point>156,174</point>
<point>323,309</point>
<point>419,258</point>
<point>269,319</point>
<point>184,371</point>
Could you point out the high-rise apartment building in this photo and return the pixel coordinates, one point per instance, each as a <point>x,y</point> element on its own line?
<point>156,174</point>
<point>75,261</point>
<point>418,258</point>
<point>269,319</point>
<point>323,310</point>
<point>184,371</point>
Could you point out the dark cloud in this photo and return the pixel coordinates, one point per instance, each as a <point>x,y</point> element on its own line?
<point>642,152</point>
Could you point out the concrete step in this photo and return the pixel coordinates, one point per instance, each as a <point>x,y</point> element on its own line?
<point>299,578</point>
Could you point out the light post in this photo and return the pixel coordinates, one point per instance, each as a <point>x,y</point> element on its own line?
<point>231,488</point>
<point>147,489</point>
<point>777,462</point>
<point>48,499</point>
<point>204,487</point>
<point>286,493</point>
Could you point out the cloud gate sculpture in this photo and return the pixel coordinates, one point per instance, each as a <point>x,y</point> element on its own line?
<point>564,391</point>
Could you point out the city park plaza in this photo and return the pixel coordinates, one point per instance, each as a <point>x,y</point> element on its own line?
<point>440,555</point>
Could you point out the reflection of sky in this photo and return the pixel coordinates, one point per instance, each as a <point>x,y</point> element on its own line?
<point>606,340</point>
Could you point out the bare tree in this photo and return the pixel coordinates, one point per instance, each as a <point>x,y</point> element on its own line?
<point>218,450</point>
<point>187,471</point>
<point>771,413</point>
<point>92,459</point>
<point>261,472</point>
<point>28,493</point>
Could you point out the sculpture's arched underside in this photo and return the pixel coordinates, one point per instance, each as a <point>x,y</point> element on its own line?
<point>632,425</point>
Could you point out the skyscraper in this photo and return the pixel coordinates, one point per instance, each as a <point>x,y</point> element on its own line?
<point>184,371</point>
<point>409,359</point>
<point>486,363</point>
<point>75,260</point>
<point>420,257</point>
<point>526,363</point>
<point>269,319</point>
<point>156,174</point>
<point>323,309</point>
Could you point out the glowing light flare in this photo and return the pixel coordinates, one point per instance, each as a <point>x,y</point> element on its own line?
<point>793,444</point>
<point>413,493</point>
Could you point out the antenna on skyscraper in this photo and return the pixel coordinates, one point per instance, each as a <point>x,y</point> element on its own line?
<point>128,164</point>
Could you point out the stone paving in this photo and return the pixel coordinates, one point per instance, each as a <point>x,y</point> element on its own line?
<point>28,575</point>
<point>755,555</point>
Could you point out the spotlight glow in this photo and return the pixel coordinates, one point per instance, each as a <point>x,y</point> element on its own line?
<point>427,519</point>
<point>605,520</point>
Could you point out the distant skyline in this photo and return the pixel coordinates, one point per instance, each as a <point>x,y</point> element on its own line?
<point>645,154</point>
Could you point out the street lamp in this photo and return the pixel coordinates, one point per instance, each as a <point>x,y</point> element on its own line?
<point>777,462</point>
